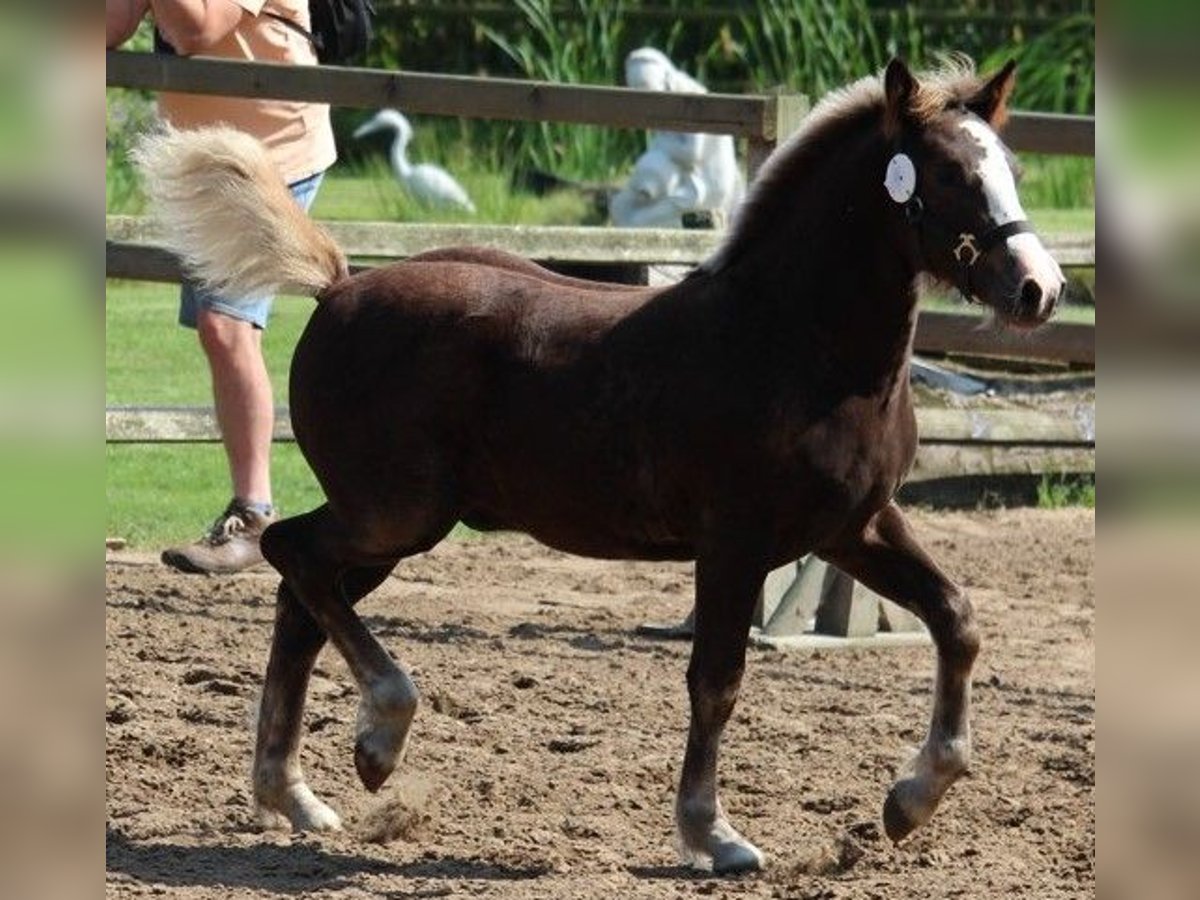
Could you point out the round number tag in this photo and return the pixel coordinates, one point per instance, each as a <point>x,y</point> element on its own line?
<point>901,178</point>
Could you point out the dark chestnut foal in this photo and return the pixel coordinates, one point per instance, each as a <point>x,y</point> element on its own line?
<point>755,412</point>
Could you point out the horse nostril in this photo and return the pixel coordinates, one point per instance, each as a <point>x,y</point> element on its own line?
<point>1031,296</point>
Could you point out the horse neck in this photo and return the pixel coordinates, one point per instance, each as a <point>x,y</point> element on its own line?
<point>832,264</point>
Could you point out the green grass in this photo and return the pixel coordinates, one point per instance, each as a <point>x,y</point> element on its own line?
<point>1061,491</point>
<point>152,361</point>
<point>161,494</point>
<point>368,191</point>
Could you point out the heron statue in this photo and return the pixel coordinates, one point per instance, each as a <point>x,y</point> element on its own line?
<point>426,183</point>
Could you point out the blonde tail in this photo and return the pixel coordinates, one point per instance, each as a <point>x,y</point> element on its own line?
<point>226,212</point>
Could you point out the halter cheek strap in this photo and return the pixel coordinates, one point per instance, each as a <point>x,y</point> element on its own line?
<point>969,250</point>
<point>966,248</point>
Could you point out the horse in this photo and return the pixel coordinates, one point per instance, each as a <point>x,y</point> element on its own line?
<point>756,411</point>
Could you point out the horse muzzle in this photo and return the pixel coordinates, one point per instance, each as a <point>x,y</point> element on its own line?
<point>1036,283</point>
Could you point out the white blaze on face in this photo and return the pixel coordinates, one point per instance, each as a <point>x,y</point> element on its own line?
<point>1004,206</point>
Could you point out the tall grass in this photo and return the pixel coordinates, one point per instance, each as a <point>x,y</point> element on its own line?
<point>1061,491</point>
<point>810,47</point>
<point>1056,69</point>
<point>583,49</point>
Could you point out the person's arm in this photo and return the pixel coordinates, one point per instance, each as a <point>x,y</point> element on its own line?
<point>122,18</point>
<point>192,26</point>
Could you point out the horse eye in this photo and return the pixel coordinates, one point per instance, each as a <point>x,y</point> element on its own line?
<point>945,174</point>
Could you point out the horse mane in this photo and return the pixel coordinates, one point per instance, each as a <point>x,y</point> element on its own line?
<point>840,111</point>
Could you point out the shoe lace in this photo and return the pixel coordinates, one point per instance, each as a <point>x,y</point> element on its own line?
<point>226,527</point>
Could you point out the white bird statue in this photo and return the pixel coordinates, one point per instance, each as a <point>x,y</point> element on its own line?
<point>679,172</point>
<point>428,184</point>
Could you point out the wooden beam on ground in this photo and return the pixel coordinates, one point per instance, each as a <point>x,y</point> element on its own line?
<point>942,425</point>
<point>966,460</point>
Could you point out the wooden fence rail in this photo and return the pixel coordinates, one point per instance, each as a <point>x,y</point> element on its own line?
<point>954,442</point>
<point>547,243</point>
<point>131,252</point>
<point>755,117</point>
<point>763,120</point>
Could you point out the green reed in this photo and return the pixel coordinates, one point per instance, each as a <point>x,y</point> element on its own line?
<point>583,48</point>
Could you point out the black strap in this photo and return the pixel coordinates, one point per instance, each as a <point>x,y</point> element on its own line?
<point>1002,233</point>
<point>314,39</point>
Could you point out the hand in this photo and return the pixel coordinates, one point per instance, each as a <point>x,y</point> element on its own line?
<point>122,18</point>
<point>192,26</point>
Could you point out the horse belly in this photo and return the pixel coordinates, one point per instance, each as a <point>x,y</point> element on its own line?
<point>579,496</point>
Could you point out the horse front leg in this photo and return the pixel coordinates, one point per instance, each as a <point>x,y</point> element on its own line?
<point>726,593</point>
<point>886,558</point>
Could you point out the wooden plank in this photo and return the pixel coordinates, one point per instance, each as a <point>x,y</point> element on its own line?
<point>750,116</point>
<point>783,118</point>
<point>965,460</point>
<point>955,333</point>
<point>1007,426</point>
<point>1071,250</point>
<point>140,262</point>
<point>554,243</point>
<point>548,243</point>
<point>1051,133</point>
<point>444,95</point>
<point>936,332</point>
<point>977,428</point>
<point>174,425</point>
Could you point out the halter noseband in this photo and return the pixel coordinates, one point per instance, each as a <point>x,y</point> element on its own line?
<point>966,248</point>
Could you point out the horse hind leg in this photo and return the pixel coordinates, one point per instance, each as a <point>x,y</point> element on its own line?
<point>887,558</point>
<point>725,599</point>
<point>328,571</point>
<point>282,797</point>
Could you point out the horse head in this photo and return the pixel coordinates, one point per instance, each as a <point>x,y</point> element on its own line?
<point>955,182</point>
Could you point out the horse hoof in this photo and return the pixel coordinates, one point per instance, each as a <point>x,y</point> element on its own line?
<point>298,810</point>
<point>736,858</point>
<point>371,772</point>
<point>897,822</point>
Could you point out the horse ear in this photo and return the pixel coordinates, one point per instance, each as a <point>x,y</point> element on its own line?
<point>899,87</point>
<point>990,102</point>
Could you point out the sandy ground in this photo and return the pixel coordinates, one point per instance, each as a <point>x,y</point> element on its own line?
<point>545,755</point>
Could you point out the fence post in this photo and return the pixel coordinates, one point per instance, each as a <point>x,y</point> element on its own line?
<point>782,117</point>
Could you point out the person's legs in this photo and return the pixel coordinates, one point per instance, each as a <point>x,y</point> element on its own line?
<point>230,333</point>
<point>244,404</point>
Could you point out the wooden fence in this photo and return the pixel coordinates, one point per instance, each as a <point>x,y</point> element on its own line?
<point>132,251</point>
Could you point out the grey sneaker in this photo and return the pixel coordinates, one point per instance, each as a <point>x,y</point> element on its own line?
<point>230,545</point>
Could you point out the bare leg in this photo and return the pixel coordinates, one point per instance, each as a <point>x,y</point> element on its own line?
<point>887,559</point>
<point>279,786</point>
<point>726,594</point>
<point>242,397</point>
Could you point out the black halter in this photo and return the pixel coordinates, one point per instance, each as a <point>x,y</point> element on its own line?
<point>966,248</point>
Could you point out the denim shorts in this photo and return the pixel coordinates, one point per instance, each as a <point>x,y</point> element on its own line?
<point>254,310</point>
